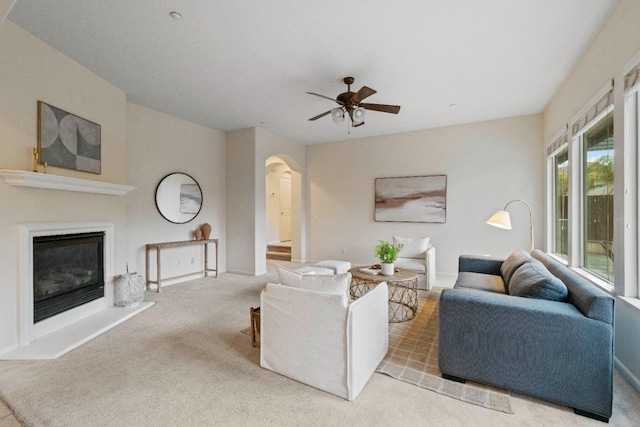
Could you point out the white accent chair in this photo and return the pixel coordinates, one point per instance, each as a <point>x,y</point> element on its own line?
<point>323,339</point>
<point>419,255</point>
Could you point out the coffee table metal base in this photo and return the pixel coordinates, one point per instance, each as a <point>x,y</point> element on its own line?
<point>403,291</point>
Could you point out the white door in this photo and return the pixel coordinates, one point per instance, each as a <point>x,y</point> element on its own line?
<point>285,208</point>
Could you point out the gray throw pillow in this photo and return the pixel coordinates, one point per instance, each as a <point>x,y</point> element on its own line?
<point>533,280</point>
<point>511,264</point>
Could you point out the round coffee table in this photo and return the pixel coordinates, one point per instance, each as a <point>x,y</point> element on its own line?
<point>403,291</point>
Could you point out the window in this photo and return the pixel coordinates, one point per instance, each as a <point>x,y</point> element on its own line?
<point>597,198</point>
<point>632,142</point>
<point>561,203</point>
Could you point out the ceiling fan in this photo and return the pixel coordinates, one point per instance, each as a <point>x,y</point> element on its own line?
<point>351,104</point>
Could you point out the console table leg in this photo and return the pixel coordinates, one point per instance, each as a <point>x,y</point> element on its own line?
<point>147,267</point>
<point>206,259</point>
<point>158,266</point>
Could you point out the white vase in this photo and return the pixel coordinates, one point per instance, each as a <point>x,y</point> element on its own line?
<point>387,269</point>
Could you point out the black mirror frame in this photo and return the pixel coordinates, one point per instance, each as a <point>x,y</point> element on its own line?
<point>156,197</point>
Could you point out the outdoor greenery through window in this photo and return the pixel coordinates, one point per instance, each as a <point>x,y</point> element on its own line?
<point>597,185</point>
<point>561,203</point>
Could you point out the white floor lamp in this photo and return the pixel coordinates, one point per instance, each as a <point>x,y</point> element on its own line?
<point>502,219</point>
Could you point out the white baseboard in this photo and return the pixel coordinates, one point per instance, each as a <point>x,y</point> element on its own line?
<point>446,280</point>
<point>245,273</point>
<point>627,374</point>
<point>178,280</point>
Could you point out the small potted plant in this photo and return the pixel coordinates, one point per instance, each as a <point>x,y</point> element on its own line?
<point>387,254</point>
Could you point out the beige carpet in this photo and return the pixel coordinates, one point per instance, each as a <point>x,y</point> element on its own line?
<point>413,358</point>
<point>183,363</point>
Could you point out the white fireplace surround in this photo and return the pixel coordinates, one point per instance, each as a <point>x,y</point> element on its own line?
<point>55,336</point>
<point>27,330</point>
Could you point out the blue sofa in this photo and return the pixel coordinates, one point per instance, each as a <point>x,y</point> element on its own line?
<point>547,334</point>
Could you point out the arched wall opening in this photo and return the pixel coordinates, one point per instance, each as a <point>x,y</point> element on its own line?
<point>283,204</point>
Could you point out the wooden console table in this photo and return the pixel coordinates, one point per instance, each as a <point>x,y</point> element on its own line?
<point>158,246</point>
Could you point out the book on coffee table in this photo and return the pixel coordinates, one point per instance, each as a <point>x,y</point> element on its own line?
<point>371,271</point>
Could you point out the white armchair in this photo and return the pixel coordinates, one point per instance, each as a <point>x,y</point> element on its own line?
<point>324,339</point>
<point>419,255</point>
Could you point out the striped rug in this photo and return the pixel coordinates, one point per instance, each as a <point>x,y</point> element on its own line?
<point>413,358</point>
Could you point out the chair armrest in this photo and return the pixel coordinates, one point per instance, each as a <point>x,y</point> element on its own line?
<point>480,264</point>
<point>367,336</point>
<point>430,266</point>
<point>547,349</point>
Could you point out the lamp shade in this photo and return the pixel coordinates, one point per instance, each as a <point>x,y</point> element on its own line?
<point>358,115</point>
<point>500,219</point>
<point>337,114</point>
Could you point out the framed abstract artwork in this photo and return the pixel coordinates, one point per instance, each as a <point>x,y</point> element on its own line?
<point>411,199</point>
<point>68,141</point>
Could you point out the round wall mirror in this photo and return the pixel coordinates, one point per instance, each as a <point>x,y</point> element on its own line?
<point>178,198</point>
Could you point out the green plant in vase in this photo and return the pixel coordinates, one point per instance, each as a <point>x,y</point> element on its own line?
<point>387,254</point>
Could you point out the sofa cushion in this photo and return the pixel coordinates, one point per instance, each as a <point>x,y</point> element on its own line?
<point>533,280</point>
<point>590,299</point>
<point>336,285</point>
<point>481,281</point>
<point>414,247</point>
<point>512,263</point>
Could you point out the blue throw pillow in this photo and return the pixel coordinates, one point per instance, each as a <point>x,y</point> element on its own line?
<point>511,264</point>
<point>533,280</point>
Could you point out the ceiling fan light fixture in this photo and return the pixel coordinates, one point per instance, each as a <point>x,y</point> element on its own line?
<point>337,114</point>
<point>351,105</point>
<point>358,115</point>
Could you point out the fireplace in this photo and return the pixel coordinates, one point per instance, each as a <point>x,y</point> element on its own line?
<point>91,311</point>
<point>90,296</point>
<point>68,271</point>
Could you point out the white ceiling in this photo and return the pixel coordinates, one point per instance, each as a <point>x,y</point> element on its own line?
<point>247,63</point>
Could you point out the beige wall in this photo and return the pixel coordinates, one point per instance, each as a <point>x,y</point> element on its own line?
<point>241,201</point>
<point>157,145</point>
<point>247,152</point>
<point>5,8</point>
<point>30,71</point>
<point>605,59</point>
<point>487,164</point>
<point>615,44</point>
<point>139,147</point>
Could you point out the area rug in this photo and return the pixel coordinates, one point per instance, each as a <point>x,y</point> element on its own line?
<point>413,358</point>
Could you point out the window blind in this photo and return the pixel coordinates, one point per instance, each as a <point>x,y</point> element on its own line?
<point>632,79</point>
<point>561,140</point>
<point>592,112</point>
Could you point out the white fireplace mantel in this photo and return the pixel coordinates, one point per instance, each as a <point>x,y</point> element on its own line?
<point>55,182</point>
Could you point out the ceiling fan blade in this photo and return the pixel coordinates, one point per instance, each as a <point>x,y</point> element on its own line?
<point>325,97</point>
<point>363,93</point>
<point>393,109</point>
<point>319,115</point>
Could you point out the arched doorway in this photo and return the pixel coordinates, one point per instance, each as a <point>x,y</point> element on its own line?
<point>278,208</point>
